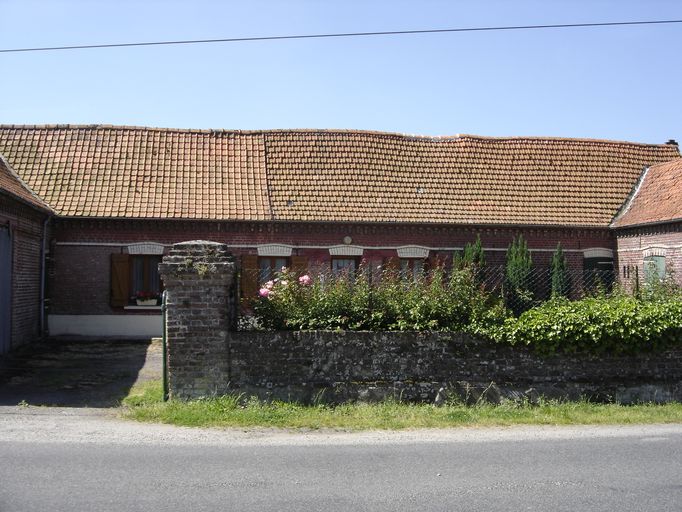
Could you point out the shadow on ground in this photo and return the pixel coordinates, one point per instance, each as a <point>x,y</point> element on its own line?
<point>77,373</point>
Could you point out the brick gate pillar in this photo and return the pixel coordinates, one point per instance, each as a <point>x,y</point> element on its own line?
<point>198,277</point>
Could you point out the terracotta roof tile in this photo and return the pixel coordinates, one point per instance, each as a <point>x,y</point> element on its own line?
<point>103,171</point>
<point>326,175</point>
<point>360,176</point>
<point>658,198</point>
<point>12,184</point>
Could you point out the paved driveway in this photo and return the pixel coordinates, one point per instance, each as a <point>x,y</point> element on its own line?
<point>77,373</point>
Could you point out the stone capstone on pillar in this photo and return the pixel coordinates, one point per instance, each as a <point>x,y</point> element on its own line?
<point>198,277</point>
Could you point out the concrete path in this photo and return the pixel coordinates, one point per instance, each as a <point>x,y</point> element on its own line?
<point>77,373</point>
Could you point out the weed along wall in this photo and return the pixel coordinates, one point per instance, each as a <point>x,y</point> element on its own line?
<point>206,358</point>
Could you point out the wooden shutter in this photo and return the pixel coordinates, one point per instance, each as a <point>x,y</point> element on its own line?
<point>120,280</point>
<point>299,265</point>
<point>249,276</point>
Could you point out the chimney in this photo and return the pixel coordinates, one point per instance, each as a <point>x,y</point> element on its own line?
<point>672,142</point>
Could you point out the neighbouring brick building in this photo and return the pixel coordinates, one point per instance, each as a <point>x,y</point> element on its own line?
<point>23,224</point>
<point>304,198</point>
<point>649,227</point>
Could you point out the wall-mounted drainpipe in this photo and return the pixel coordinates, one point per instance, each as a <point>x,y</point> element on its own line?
<point>164,347</point>
<point>43,254</point>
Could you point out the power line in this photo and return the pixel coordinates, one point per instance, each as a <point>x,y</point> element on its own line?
<point>342,34</point>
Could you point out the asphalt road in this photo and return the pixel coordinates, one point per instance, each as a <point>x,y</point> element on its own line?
<point>82,461</point>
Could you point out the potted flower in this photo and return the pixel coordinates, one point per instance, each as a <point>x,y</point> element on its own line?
<point>147,298</point>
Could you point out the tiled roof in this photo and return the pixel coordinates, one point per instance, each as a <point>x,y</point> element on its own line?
<point>326,175</point>
<point>11,184</point>
<point>466,179</point>
<point>99,171</point>
<point>658,198</point>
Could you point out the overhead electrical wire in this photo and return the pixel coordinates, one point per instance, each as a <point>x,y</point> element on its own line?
<point>339,35</point>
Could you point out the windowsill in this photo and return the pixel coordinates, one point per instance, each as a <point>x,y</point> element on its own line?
<point>138,308</point>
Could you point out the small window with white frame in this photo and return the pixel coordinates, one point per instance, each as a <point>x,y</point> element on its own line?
<point>342,265</point>
<point>268,266</point>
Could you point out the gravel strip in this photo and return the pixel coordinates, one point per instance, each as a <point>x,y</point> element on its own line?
<point>83,425</point>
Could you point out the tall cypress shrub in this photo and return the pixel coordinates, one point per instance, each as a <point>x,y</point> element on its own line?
<point>474,255</point>
<point>519,268</point>
<point>471,258</point>
<point>561,285</point>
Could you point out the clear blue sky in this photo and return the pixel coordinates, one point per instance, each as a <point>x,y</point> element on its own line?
<point>615,83</point>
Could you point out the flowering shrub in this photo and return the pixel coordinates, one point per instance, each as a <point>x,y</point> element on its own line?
<point>616,323</point>
<point>389,302</point>
<point>144,295</point>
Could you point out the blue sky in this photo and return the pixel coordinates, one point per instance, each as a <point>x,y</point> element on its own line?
<point>613,83</point>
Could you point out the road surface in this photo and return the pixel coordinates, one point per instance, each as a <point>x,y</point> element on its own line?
<point>87,460</point>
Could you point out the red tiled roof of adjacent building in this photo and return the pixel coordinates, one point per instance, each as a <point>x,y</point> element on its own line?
<point>11,184</point>
<point>657,199</point>
<point>326,175</point>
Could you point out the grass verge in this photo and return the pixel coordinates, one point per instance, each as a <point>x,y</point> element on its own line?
<point>144,403</point>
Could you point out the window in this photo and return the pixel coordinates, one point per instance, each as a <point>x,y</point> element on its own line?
<point>598,273</point>
<point>268,266</point>
<point>411,268</point>
<point>144,275</point>
<point>341,265</point>
<point>654,268</point>
<point>135,279</point>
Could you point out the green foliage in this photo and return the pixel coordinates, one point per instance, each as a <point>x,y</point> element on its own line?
<point>615,324</point>
<point>243,412</point>
<point>561,285</point>
<point>518,274</point>
<point>472,256</point>
<point>430,302</point>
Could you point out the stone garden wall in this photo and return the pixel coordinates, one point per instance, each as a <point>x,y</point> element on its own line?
<point>339,366</point>
<point>206,358</point>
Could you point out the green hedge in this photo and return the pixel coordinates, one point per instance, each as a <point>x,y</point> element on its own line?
<point>616,324</point>
<point>603,324</point>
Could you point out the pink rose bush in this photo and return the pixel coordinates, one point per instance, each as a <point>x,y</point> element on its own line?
<point>383,301</point>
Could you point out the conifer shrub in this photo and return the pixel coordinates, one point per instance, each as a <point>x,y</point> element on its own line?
<point>518,277</point>
<point>561,284</point>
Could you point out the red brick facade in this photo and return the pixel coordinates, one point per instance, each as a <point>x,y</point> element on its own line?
<point>636,243</point>
<point>80,281</point>
<point>26,232</point>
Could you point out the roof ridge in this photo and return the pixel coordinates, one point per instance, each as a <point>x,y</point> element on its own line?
<point>627,204</point>
<point>210,131</point>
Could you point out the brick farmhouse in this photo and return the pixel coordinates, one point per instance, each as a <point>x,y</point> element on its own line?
<point>88,211</point>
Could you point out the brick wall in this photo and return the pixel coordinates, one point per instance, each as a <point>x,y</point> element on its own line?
<point>198,277</point>
<point>26,225</point>
<point>80,282</point>
<point>634,243</point>
<point>240,235</point>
